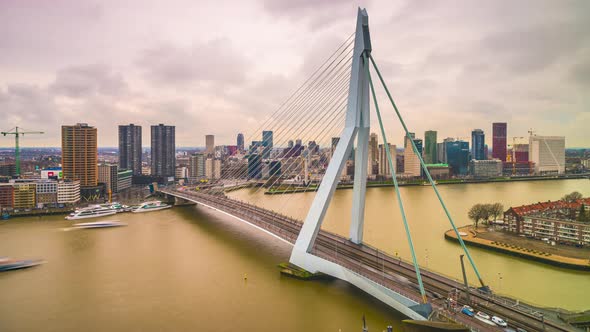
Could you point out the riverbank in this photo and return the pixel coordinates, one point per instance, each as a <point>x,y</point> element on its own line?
<point>420,182</point>
<point>522,247</point>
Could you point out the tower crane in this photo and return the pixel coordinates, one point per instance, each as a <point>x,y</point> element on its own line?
<point>17,133</point>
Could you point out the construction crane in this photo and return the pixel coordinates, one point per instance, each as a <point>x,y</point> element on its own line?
<point>15,131</point>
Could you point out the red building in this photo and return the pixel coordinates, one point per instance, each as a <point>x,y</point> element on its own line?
<point>6,196</point>
<point>499,130</point>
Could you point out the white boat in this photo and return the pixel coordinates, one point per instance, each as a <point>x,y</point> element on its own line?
<point>151,206</point>
<point>94,213</point>
<point>99,224</point>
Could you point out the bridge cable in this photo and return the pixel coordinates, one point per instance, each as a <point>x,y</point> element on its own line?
<point>432,183</point>
<point>395,184</point>
<point>341,76</point>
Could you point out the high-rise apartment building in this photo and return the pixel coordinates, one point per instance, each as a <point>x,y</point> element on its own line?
<point>478,145</point>
<point>107,174</point>
<point>430,147</point>
<point>212,168</point>
<point>79,154</point>
<point>412,136</point>
<point>520,153</point>
<point>384,169</point>
<point>499,131</point>
<point>163,150</point>
<point>209,144</point>
<point>412,165</point>
<point>267,143</point>
<point>130,148</point>
<point>196,167</point>
<point>548,154</point>
<point>240,142</point>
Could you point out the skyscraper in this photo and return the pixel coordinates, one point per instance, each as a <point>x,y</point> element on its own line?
<point>163,150</point>
<point>373,166</point>
<point>412,165</point>
<point>499,131</point>
<point>478,145</point>
<point>412,135</point>
<point>384,169</point>
<point>209,144</point>
<point>458,156</point>
<point>430,148</point>
<point>240,142</point>
<point>267,143</point>
<point>196,167</point>
<point>130,148</point>
<point>79,154</point>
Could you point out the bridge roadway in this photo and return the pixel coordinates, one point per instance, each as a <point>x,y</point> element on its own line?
<point>378,267</point>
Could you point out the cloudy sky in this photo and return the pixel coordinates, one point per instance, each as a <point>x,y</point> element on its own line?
<point>220,67</point>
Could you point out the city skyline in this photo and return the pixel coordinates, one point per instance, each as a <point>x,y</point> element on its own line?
<point>148,78</point>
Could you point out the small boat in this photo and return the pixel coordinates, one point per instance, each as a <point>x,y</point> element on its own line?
<point>92,213</point>
<point>151,206</point>
<point>7,264</point>
<point>99,224</point>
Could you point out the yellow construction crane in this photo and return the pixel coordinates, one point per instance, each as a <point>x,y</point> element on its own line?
<point>15,131</point>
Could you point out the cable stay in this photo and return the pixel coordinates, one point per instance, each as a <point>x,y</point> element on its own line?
<point>432,183</point>
<point>395,184</point>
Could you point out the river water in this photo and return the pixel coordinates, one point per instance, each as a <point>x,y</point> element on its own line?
<point>536,283</point>
<point>192,269</point>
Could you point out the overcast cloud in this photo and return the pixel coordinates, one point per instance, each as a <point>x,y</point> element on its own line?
<point>220,67</point>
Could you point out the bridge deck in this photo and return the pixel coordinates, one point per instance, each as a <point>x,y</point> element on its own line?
<point>377,266</point>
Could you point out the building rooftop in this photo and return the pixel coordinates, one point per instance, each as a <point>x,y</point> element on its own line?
<point>539,207</point>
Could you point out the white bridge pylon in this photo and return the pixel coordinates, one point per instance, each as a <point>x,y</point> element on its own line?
<point>357,126</point>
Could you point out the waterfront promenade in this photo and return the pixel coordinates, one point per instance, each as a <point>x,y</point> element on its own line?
<point>523,247</point>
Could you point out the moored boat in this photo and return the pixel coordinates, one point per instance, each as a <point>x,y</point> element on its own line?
<point>7,264</point>
<point>151,206</point>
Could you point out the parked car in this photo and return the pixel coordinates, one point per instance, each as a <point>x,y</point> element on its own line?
<point>483,315</point>
<point>499,321</point>
<point>467,310</point>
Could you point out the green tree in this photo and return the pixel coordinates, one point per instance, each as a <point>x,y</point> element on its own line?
<point>572,197</point>
<point>475,213</point>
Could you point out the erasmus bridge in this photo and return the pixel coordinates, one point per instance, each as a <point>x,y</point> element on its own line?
<point>337,99</point>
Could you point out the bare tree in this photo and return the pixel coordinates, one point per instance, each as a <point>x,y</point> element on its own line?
<point>572,197</point>
<point>497,210</point>
<point>475,213</point>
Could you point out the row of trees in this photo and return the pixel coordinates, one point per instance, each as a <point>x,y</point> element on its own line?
<point>485,212</point>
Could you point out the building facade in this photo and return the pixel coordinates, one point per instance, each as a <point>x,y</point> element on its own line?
<point>68,192</point>
<point>209,144</point>
<point>6,196</point>
<point>458,156</point>
<point>212,168</point>
<point>430,147</point>
<point>240,142</point>
<point>196,167</point>
<point>548,154</point>
<point>163,150</point>
<point>373,153</point>
<point>412,165</point>
<point>46,192</point>
<point>478,145</point>
<point>107,174</point>
<point>499,135</point>
<point>485,168</point>
<point>267,143</point>
<point>79,154</point>
<point>130,148</point>
<point>384,169</point>
<point>25,195</point>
